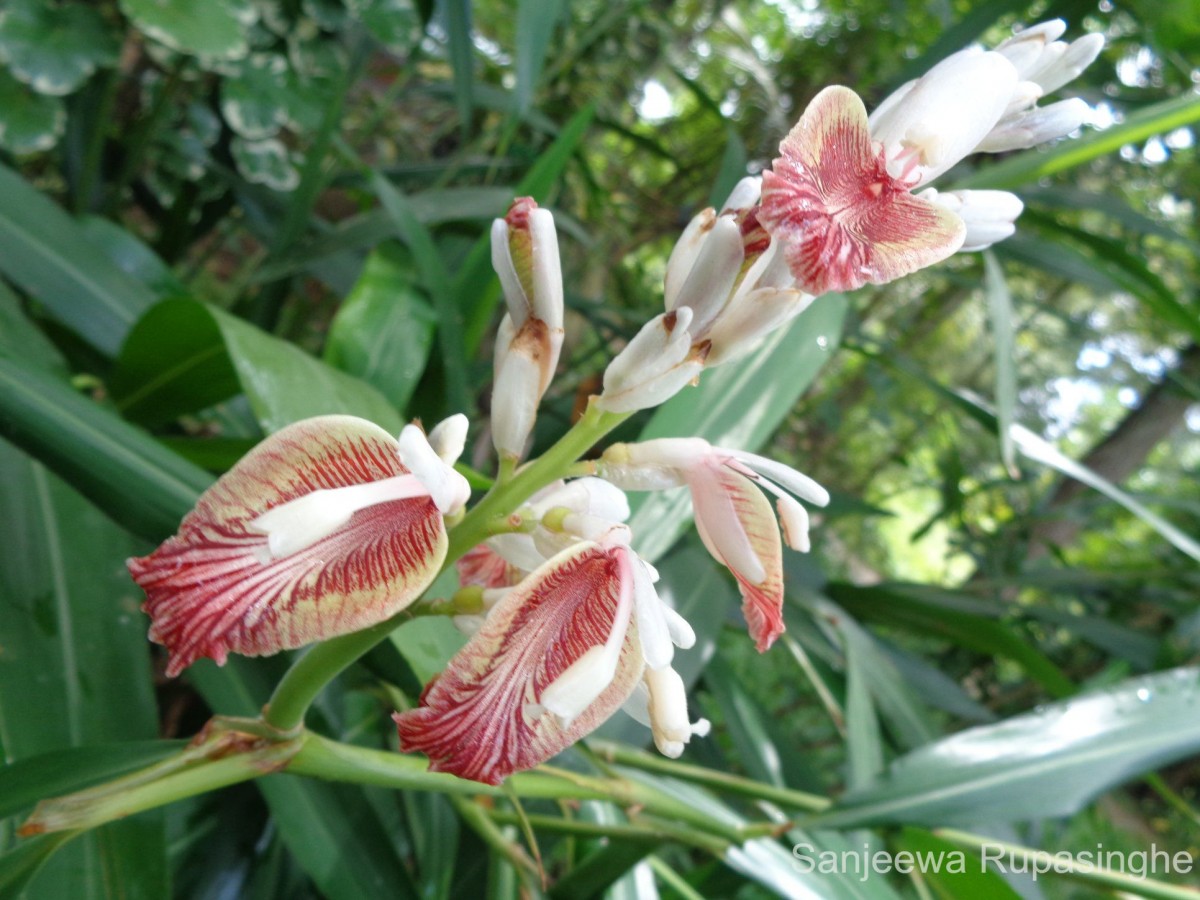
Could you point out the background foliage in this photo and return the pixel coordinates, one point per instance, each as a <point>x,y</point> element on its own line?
<point>219,218</point>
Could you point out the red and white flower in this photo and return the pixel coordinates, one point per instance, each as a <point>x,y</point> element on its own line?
<point>327,527</point>
<point>733,517</point>
<point>555,657</point>
<point>840,198</point>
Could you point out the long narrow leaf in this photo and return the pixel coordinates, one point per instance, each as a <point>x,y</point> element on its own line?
<point>47,254</point>
<point>1000,311</point>
<point>1046,763</point>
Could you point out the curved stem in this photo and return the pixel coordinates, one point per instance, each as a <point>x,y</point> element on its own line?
<point>311,672</point>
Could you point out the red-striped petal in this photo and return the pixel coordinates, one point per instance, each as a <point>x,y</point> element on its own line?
<point>843,219</point>
<point>209,591</point>
<point>483,566</point>
<point>732,511</point>
<point>479,718</point>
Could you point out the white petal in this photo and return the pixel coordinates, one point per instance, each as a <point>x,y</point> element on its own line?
<point>793,518</point>
<point>785,476</point>
<point>653,367</point>
<point>988,215</point>
<point>1078,56</point>
<point>682,634</point>
<point>744,326</point>
<point>721,530</point>
<point>668,712</point>
<point>519,305</point>
<point>449,490</point>
<point>547,269</point>
<point>685,253</point>
<point>518,550</point>
<point>449,437</point>
<point>947,112</point>
<point>653,630</point>
<point>1026,48</point>
<point>515,397</point>
<point>1037,126</point>
<point>744,194</point>
<point>299,523</point>
<point>707,288</point>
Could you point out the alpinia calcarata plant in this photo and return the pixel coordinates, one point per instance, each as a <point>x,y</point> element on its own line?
<point>328,535</point>
<point>331,526</point>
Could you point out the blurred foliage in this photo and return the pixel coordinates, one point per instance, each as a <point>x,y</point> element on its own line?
<point>218,217</point>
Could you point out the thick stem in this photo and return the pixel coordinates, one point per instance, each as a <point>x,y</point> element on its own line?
<point>324,662</point>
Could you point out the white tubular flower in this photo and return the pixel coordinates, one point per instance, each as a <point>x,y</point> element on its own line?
<point>655,365</point>
<point>668,712</point>
<point>990,216</point>
<point>525,256</point>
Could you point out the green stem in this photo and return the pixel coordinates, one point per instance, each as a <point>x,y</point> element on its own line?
<point>483,825</point>
<point>657,832</point>
<point>310,674</point>
<point>1044,862</point>
<point>647,762</point>
<point>673,879</point>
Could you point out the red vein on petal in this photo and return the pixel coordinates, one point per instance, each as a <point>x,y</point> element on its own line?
<point>207,591</point>
<point>473,719</point>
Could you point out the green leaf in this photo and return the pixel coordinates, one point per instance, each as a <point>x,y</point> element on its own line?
<point>47,255</point>
<point>746,722</point>
<point>1000,311</point>
<point>437,281</point>
<point>1040,450</point>
<point>1042,764</point>
<point>974,881</point>
<point>383,331</point>
<point>19,867</point>
<point>731,170</point>
<point>183,356</point>
<point>130,255</point>
<point>29,122</point>
<point>1034,164</point>
<point>953,620</point>
<point>22,341</point>
<point>456,17</point>
<point>216,29</point>
<point>266,162</point>
<point>738,405</point>
<point>74,651</point>
<point>54,48</point>
<point>535,27</point>
<point>118,467</point>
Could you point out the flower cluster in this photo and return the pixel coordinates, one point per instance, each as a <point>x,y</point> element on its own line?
<point>331,525</point>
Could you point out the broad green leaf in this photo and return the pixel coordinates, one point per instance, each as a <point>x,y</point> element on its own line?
<point>383,331</point>
<point>117,466</point>
<point>738,405</point>
<point>55,48</point>
<point>75,652</point>
<point>183,356</point>
<point>864,741</point>
<point>1000,312</point>
<point>29,122</point>
<point>20,866</point>
<point>1031,165</point>
<point>476,289</point>
<point>46,254</point>
<point>20,339</point>
<point>535,27</point>
<point>1042,764</point>
<point>217,29</point>
<point>953,620</point>
<point>131,256</point>
<point>433,271</point>
<point>1042,451</point>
